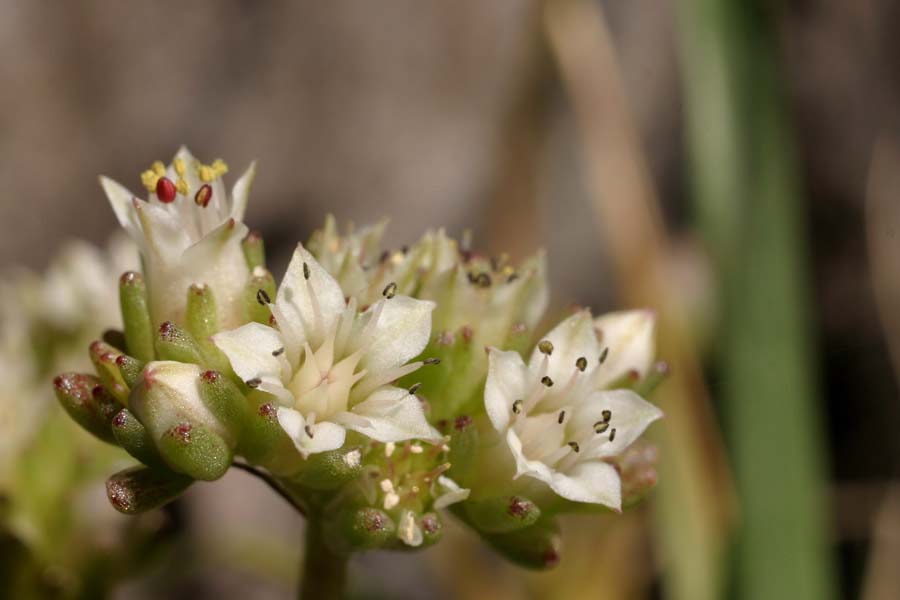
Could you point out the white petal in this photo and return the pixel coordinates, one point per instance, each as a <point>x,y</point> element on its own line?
<point>241,191</point>
<point>251,349</point>
<point>164,235</point>
<point>596,482</point>
<point>120,199</point>
<point>631,415</point>
<point>507,381</point>
<point>452,493</point>
<point>171,394</point>
<point>408,529</point>
<point>630,337</point>
<point>524,465</point>
<point>306,309</point>
<point>572,339</point>
<point>400,334</point>
<point>325,435</point>
<point>390,415</point>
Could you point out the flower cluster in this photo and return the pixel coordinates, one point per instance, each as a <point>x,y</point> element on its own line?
<point>372,386</point>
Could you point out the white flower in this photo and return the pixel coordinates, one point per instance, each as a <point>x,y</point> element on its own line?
<point>189,231</point>
<point>330,365</point>
<point>557,424</point>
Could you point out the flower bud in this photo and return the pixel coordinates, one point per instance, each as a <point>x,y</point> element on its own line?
<point>134,438</point>
<point>196,451</point>
<point>501,514</point>
<point>359,529</point>
<point>87,402</point>
<point>463,455</point>
<point>136,316</point>
<point>104,356</point>
<point>432,528</point>
<point>535,547</point>
<point>201,320</point>
<point>175,344</point>
<point>224,400</point>
<point>130,369</point>
<point>254,250</point>
<point>140,489</point>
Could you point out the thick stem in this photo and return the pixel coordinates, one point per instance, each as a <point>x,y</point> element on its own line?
<point>324,572</point>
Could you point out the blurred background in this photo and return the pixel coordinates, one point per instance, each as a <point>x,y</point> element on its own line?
<point>732,164</point>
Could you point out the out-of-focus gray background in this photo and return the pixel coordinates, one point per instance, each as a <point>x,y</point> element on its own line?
<point>453,115</point>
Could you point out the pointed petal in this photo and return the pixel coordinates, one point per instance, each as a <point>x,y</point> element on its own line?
<point>306,309</point>
<point>400,334</point>
<point>241,191</point>
<point>596,482</point>
<point>408,529</point>
<point>572,339</point>
<point>325,435</point>
<point>164,234</point>
<point>451,493</point>
<point>630,337</point>
<point>631,415</point>
<point>507,381</point>
<point>120,199</point>
<point>390,415</point>
<point>252,351</point>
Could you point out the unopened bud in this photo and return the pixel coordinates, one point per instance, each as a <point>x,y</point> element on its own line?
<point>87,402</point>
<point>501,514</point>
<point>330,470</point>
<point>355,530</point>
<point>134,438</point>
<point>174,343</point>
<point>104,356</point>
<point>224,400</point>
<point>260,286</point>
<point>254,250</point>
<point>196,451</point>
<point>136,316</point>
<point>140,489</point>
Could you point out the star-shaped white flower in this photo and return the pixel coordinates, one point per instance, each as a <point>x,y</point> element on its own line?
<point>331,365</point>
<point>189,231</point>
<point>557,422</point>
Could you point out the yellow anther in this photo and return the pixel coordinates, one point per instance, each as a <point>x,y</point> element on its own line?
<point>206,173</point>
<point>182,186</point>
<point>178,163</point>
<point>149,179</point>
<point>158,168</point>
<point>220,167</point>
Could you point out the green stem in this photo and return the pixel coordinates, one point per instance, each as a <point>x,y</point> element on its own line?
<point>324,572</point>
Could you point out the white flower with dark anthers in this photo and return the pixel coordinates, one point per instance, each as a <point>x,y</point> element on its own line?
<point>189,231</point>
<point>557,424</point>
<point>330,365</point>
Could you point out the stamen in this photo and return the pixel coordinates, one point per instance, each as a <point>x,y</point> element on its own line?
<point>416,449</point>
<point>415,388</point>
<point>306,271</point>
<point>562,417</point>
<point>600,427</point>
<point>206,173</point>
<point>182,186</point>
<point>517,407</point>
<point>546,347</point>
<point>390,291</point>
<point>574,446</point>
<point>389,449</point>
<point>612,434</point>
<point>547,381</point>
<point>159,168</point>
<point>262,296</point>
<point>431,361</point>
<point>165,190</point>
<point>178,165</point>
<point>581,364</point>
<point>308,431</point>
<point>607,415</point>
<point>278,352</point>
<point>203,196</point>
<point>253,383</point>
<point>604,354</point>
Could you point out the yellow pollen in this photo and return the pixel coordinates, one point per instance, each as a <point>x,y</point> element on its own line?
<point>206,173</point>
<point>149,179</point>
<point>182,186</point>
<point>219,167</point>
<point>178,163</point>
<point>158,168</point>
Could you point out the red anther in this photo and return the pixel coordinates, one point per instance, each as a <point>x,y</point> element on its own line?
<point>467,333</point>
<point>519,508</point>
<point>165,190</point>
<point>203,195</point>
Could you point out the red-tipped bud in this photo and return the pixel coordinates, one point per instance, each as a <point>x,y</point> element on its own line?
<point>165,190</point>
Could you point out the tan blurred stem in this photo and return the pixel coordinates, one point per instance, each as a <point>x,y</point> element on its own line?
<point>882,578</point>
<point>695,500</point>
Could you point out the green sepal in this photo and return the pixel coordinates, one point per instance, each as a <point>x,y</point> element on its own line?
<point>534,547</point>
<point>463,455</point>
<point>501,514</point>
<point>174,343</point>
<point>196,451</point>
<point>224,400</point>
<point>88,403</point>
<point>264,442</point>
<point>130,369</point>
<point>330,470</point>
<point>136,316</point>
<point>135,439</point>
<point>200,314</point>
<point>260,290</point>
<point>359,529</point>
<point>254,250</point>
<point>103,356</point>
<point>140,489</point>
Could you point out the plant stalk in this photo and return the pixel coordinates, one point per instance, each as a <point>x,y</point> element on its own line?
<point>324,573</point>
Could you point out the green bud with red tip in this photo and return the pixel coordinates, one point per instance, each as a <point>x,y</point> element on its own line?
<point>501,514</point>
<point>360,529</point>
<point>104,357</point>
<point>140,489</point>
<point>195,450</point>
<point>86,400</point>
<point>254,250</point>
<point>174,343</point>
<point>134,438</point>
<point>139,333</point>
<point>258,294</point>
